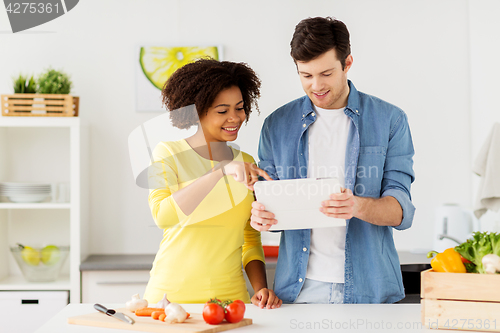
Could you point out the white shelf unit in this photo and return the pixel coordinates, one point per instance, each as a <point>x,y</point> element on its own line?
<point>49,150</point>
<point>42,205</point>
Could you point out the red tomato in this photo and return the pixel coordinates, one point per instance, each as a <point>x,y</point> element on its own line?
<point>214,300</point>
<point>465,261</point>
<point>235,311</point>
<point>213,313</point>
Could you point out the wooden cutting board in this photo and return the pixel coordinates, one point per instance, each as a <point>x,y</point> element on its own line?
<point>194,323</point>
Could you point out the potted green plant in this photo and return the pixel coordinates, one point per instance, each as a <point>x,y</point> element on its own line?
<point>48,95</point>
<point>54,82</point>
<point>24,86</point>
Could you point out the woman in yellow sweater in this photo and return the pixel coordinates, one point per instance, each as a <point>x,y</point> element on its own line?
<point>201,191</point>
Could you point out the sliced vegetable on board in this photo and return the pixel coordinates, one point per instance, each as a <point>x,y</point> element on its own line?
<point>147,312</point>
<point>156,314</point>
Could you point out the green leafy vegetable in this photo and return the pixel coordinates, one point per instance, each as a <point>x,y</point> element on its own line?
<point>475,248</point>
<point>495,243</point>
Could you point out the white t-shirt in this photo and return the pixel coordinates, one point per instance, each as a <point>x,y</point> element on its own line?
<point>327,147</point>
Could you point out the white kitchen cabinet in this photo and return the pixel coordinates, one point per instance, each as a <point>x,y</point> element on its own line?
<point>47,150</point>
<point>119,286</point>
<point>26,311</point>
<point>113,286</point>
<point>115,278</point>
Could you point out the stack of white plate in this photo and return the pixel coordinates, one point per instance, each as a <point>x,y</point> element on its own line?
<point>25,192</point>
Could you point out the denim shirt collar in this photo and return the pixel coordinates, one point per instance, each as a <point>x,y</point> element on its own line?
<point>353,100</point>
<point>307,108</point>
<point>352,103</point>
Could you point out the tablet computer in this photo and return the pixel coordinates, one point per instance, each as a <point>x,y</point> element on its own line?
<point>296,202</point>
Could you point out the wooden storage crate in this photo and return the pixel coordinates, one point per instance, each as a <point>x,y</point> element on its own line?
<point>40,105</point>
<point>460,301</point>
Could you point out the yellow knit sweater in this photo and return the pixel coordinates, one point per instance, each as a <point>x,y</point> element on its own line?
<point>201,255</point>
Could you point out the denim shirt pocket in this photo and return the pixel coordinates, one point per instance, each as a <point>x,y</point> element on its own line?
<point>370,171</point>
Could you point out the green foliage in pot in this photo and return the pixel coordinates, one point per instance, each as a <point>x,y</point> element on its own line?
<point>24,86</point>
<point>54,82</point>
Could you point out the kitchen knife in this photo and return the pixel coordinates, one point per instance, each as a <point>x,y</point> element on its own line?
<point>114,314</point>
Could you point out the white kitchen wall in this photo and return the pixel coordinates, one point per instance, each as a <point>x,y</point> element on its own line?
<point>484,82</point>
<point>431,58</point>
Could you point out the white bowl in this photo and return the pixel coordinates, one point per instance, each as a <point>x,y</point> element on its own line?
<point>40,272</point>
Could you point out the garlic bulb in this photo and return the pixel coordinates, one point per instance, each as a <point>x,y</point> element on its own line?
<point>163,302</point>
<point>136,303</point>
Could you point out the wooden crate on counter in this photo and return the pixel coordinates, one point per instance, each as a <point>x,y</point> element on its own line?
<point>460,301</point>
<point>40,105</point>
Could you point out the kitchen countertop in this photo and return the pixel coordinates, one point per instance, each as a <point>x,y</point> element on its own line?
<point>288,318</point>
<point>117,262</point>
<point>410,258</point>
<point>126,262</point>
<point>104,262</point>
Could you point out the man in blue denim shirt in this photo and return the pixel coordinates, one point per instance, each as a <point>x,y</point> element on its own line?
<point>338,131</point>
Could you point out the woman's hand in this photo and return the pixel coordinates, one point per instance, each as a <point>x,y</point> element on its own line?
<point>266,298</point>
<point>244,172</point>
<point>261,219</point>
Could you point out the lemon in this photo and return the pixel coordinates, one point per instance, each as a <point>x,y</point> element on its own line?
<point>159,63</point>
<point>50,255</point>
<point>30,255</point>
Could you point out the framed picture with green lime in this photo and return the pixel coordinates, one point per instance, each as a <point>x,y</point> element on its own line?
<point>155,64</point>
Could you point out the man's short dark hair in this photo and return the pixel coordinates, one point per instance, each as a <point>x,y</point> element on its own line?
<point>315,36</point>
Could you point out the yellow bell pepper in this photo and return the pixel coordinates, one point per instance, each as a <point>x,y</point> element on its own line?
<point>449,261</point>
